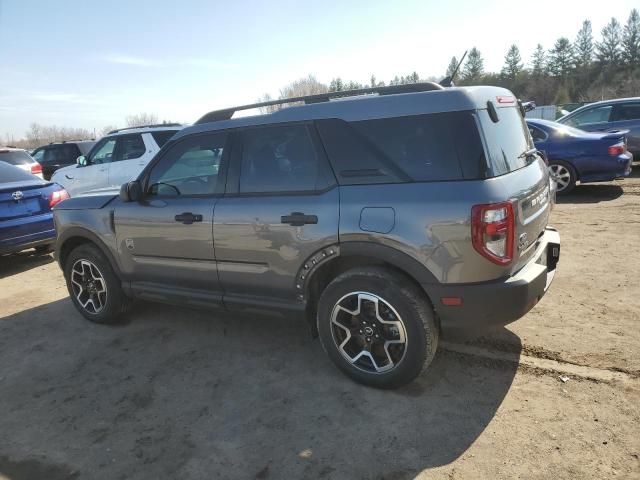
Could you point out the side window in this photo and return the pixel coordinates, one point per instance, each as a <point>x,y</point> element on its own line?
<point>38,155</point>
<point>626,111</point>
<point>53,155</point>
<point>161,137</point>
<point>537,134</point>
<point>592,115</point>
<point>129,147</point>
<point>281,159</point>
<point>102,152</point>
<point>70,152</point>
<point>190,167</point>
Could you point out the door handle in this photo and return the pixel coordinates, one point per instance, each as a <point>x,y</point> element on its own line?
<point>188,218</point>
<point>297,219</point>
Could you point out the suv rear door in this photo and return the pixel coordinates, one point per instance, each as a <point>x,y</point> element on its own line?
<point>280,209</point>
<point>626,116</point>
<point>516,177</point>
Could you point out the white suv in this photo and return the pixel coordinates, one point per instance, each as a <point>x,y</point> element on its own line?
<point>117,158</point>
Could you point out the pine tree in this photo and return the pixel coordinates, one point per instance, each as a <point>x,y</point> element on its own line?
<point>584,45</point>
<point>539,62</point>
<point>631,40</point>
<point>452,67</point>
<point>474,67</point>
<point>336,85</point>
<point>561,57</point>
<point>512,63</point>
<point>608,50</point>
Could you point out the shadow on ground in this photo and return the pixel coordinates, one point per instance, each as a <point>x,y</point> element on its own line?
<point>592,193</point>
<point>189,394</point>
<point>21,262</point>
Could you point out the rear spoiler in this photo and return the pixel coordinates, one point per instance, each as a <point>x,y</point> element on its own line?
<point>615,133</point>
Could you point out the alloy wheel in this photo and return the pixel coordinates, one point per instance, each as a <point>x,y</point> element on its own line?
<point>89,286</point>
<point>368,332</point>
<point>561,175</point>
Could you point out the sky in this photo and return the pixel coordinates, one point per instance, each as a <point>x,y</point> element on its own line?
<point>90,63</point>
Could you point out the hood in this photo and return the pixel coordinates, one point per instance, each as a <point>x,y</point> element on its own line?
<point>89,202</point>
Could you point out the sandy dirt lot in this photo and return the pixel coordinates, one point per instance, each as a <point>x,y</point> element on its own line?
<point>177,393</point>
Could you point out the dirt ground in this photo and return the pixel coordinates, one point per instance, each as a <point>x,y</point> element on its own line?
<point>194,394</point>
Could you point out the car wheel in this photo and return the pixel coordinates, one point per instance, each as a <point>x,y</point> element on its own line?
<point>93,286</point>
<point>377,327</point>
<point>564,175</point>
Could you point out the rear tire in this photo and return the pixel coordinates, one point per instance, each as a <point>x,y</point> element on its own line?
<point>377,327</point>
<point>94,288</point>
<point>565,176</point>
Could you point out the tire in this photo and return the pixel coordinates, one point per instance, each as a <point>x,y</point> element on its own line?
<point>93,286</point>
<point>565,173</point>
<point>403,311</point>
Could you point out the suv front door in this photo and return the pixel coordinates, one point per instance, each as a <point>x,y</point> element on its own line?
<point>129,159</point>
<point>165,241</point>
<point>280,211</point>
<point>95,174</point>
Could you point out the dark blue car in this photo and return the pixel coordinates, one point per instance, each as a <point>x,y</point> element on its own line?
<point>26,220</point>
<point>575,155</point>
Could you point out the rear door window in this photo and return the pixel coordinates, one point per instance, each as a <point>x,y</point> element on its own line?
<point>507,140</point>
<point>626,111</point>
<point>281,159</point>
<point>419,148</point>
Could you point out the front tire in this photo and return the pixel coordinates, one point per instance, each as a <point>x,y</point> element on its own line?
<point>564,175</point>
<point>93,286</point>
<point>377,327</point>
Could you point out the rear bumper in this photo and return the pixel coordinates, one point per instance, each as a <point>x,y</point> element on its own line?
<point>499,302</point>
<point>23,233</point>
<point>622,168</point>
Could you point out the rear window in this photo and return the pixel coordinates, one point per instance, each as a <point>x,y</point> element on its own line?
<point>507,140</point>
<point>15,157</point>
<point>9,173</point>
<point>419,148</point>
<point>163,136</point>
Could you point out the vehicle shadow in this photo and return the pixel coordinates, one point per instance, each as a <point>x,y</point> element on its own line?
<point>177,393</point>
<point>21,262</point>
<point>591,193</point>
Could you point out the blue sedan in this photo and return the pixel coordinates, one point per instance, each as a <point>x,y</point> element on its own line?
<point>575,155</point>
<point>26,220</point>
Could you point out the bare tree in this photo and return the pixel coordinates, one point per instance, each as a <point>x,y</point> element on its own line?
<point>106,129</point>
<point>141,119</point>
<point>308,85</point>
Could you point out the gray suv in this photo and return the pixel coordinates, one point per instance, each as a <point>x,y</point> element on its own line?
<point>386,219</point>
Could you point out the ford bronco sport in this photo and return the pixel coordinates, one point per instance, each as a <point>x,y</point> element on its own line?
<point>388,219</point>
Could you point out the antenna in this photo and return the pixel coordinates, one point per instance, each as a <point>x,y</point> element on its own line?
<point>448,81</point>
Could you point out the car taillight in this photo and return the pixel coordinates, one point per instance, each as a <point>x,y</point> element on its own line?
<point>617,149</point>
<point>493,231</point>
<point>36,168</point>
<point>57,196</point>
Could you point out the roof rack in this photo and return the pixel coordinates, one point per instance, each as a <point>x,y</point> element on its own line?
<point>227,113</point>
<point>155,125</point>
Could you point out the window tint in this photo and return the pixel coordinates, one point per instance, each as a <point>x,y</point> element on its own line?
<point>53,155</point>
<point>190,167</point>
<point>279,159</point>
<point>163,137</point>
<point>627,111</point>
<point>591,115</point>
<point>507,140</point>
<point>129,147</point>
<point>537,134</point>
<point>15,157</point>
<point>70,152</point>
<point>419,148</point>
<point>38,155</point>
<point>103,151</point>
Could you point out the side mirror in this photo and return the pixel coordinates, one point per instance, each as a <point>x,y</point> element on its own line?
<point>81,161</point>
<point>131,191</point>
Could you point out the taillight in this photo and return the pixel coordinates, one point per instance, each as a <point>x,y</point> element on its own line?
<point>493,231</point>
<point>36,168</point>
<point>617,149</point>
<point>57,196</point>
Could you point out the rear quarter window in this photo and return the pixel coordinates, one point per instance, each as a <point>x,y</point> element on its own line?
<point>418,148</point>
<point>507,139</point>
